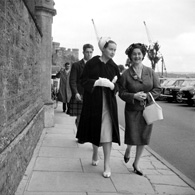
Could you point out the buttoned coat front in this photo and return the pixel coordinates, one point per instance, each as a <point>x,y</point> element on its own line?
<point>89,128</point>
<point>137,132</point>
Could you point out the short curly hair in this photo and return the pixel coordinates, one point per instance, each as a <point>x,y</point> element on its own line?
<point>133,46</point>
<point>86,46</point>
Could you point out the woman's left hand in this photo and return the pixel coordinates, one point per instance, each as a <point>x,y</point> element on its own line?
<point>104,82</point>
<point>140,96</point>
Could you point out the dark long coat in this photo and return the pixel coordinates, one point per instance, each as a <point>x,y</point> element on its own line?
<point>75,75</point>
<point>75,107</point>
<point>137,132</point>
<point>89,128</point>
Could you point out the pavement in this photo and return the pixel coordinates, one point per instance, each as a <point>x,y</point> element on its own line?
<point>61,166</point>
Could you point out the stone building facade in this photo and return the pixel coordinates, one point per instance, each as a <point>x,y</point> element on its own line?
<point>25,67</point>
<point>61,55</point>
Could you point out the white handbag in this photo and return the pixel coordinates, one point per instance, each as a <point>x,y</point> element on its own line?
<point>152,112</point>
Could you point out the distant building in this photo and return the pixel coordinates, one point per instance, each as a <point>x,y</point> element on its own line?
<point>61,55</point>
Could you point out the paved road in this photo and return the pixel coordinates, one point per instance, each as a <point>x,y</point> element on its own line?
<point>174,137</point>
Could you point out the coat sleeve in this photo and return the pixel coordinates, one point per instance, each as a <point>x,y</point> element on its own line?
<point>123,92</point>
<point>86,82</point>
<point>156,90</point>
<point>58,74</point>
<point>117,84</point>
<point>73,79</point>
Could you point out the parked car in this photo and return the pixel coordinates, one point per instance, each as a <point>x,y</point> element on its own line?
<point>163,80</point>
<point>187,92</point>
<point>193,99</point>
<point>167,83</point>
<point>170,90</point>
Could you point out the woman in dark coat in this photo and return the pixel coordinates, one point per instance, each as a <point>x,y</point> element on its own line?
<point>99,119</point>
<point>135,83</point>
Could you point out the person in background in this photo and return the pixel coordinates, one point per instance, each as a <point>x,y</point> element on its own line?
<point>135,84</point>
<point>64,93</point>
<point>121,68</point>
<point>76,101</point>
<point>99,118</point>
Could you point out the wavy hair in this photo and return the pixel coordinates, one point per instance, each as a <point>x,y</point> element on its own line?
<point>133,46</point>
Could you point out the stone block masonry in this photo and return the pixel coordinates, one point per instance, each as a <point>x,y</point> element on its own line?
<point>21,104</point>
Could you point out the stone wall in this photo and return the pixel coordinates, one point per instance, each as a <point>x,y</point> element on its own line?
<point>61,55</point>
<point>21,105</point>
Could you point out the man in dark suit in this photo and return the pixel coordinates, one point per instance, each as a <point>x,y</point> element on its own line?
<point>75,105</point>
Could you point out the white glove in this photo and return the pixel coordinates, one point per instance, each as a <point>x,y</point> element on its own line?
<point>114,79</point>
<point>104,82</point>
<point>98,83</point>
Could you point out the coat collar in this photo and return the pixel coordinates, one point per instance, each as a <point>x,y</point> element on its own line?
<point>110,61</point>
<point>135,76</point>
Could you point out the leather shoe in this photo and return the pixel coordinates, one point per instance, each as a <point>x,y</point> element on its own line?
<point>126,159</point>
<point>95,163</point>
<point>106,174</point>
<point>138,172</point>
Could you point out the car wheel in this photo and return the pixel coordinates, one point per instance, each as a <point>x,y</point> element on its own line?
<point>179,98</point>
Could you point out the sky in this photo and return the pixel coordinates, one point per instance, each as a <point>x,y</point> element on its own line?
<point>171,23</point>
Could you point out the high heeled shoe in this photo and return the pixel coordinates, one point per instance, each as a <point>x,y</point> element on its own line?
<point>138,172</point>
<point>95,163</point>
<point>126,159</point>
<point>106,174</point>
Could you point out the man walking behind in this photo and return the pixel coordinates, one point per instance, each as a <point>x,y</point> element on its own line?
<point>64,93</point>
<point>75,105</point>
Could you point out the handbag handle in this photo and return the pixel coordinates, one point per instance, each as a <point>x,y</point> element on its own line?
<point>152,97</point>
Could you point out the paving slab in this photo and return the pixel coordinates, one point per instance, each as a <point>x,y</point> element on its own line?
<point>174,190</point>
<point>167,180</point>
<point>54,193</point>
<point>70,152</point>
<point>131,183</point>
<point>129,193</point>
<point>69,182</point>
<point>61,131</point>
<point>58,164</point>
<point>56,140</point>
<point>117,166</point>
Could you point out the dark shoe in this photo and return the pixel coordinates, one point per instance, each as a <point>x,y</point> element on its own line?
<point>138,172</point>
<point>80,142</point>
<point>126,159</point>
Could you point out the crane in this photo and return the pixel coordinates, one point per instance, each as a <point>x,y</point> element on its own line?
<point>148,35</point>
<point>151,46</point>
<point>96,32</point>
